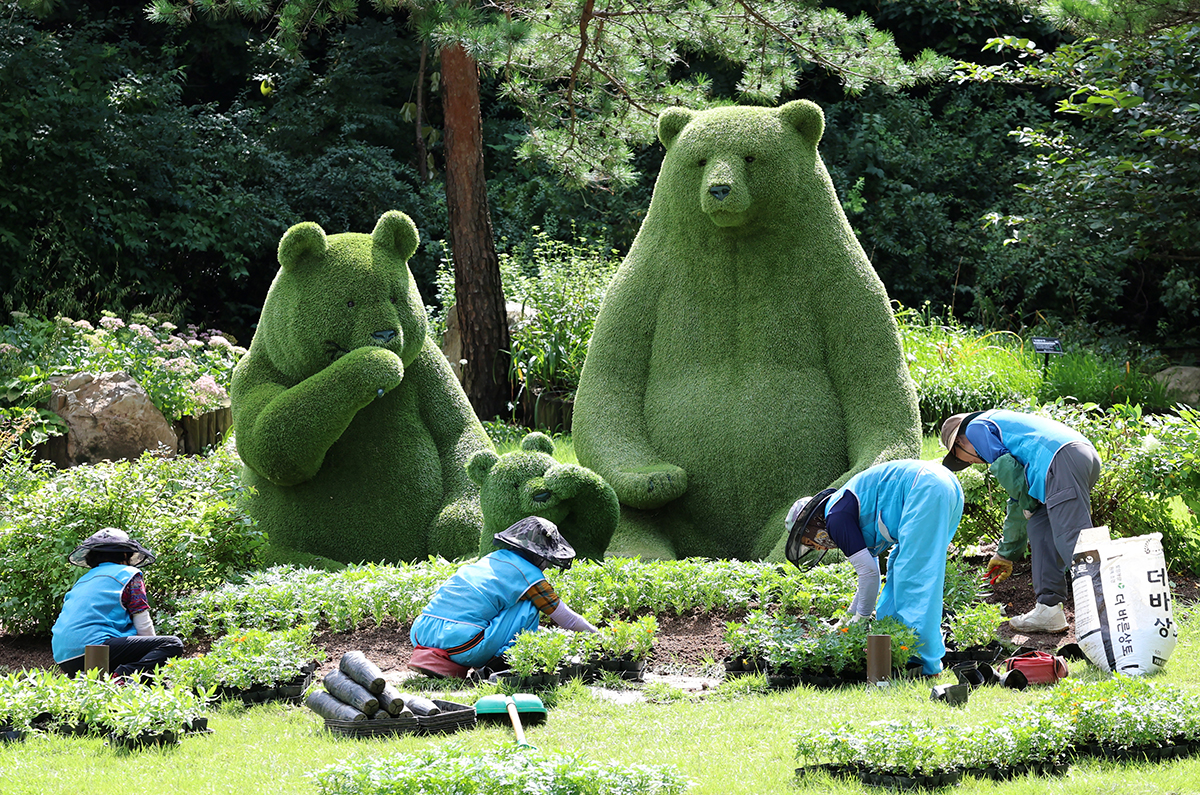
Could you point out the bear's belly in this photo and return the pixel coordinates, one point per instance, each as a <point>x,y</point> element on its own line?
<point>749,411</point>
<point>375,496</point>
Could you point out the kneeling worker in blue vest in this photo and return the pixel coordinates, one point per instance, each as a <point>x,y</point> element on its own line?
<point>910,507</point>
<point>476,614</point>
<point>108,606</point>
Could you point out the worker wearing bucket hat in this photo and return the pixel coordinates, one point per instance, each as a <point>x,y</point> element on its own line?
<point>909,507</point>
<point>476,614</point>
<point>108,606</point>
<point>1061,467</point>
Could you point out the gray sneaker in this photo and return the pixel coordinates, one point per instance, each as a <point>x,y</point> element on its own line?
<point>1042,618</point>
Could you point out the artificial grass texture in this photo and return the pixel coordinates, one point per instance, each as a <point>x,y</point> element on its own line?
<point>745,354</point>
<point>529,481</point>
<point>353,430</point>
<point>728,746</point>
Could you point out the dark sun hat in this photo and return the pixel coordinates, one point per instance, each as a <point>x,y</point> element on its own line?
<point>801,534</point>
<point>110,539</point>
<point>540,538</point>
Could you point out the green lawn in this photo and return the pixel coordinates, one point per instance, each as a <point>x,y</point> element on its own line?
<point>726,746</point>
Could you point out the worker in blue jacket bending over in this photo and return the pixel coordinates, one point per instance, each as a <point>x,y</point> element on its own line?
<point>910,507</point>
<point>476,614</point>
<point>1061,467</point>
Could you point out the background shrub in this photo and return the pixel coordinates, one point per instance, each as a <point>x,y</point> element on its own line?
<point>185,510</point>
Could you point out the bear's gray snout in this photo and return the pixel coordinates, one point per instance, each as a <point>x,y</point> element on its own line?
<point>719,192</point>
<point>385,336</point>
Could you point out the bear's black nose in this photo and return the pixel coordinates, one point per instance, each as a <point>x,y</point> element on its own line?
<point>719,192</point>
<point>387,335</point>
<point>541,496</point>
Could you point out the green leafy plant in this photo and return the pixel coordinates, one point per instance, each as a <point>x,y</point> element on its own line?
<point>248,659</point>
<point>539,652</point>
<point>631,639</point>
<point>976,625</point>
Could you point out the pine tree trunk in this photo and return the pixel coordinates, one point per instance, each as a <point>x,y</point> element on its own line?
<point>477,290</point>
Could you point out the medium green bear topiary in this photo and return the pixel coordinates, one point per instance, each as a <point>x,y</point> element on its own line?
<point>353,431</point>
<point>530,482</point>
<point>745,354</point>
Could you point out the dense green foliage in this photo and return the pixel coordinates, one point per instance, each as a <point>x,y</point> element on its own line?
<point>186,510</point>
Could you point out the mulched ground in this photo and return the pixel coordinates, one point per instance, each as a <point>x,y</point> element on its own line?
<point>685,643</point>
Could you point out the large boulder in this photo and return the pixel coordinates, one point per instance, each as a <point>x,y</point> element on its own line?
<point>109,417</point>
<point>1182,383</point>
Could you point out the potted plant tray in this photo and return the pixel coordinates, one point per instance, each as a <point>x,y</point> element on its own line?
<point>376,726</point>
<point>451,718</point>
<point>133,742</point>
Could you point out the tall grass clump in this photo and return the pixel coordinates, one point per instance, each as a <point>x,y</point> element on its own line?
<point>956,369</point>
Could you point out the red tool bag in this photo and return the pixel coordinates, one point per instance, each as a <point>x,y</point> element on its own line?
<point>1039,667</point>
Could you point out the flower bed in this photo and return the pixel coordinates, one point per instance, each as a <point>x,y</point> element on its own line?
<point>252,666</point>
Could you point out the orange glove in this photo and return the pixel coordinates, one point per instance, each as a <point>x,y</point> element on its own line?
<point>999,569</point>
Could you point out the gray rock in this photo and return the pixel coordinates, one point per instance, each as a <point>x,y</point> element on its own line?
<point>109,417</point>
<point>1182,383</point>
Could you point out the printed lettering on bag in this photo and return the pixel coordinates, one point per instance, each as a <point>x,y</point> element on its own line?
<point>1160,599</point>
<point>1165,626</point>
<point>1158,576</point>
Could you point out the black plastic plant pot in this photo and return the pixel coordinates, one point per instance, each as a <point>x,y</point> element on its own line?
<point>144,740</point>
<point>1014,680</point>
<point>733,665</point>
<point>954,695</point>
<point>197,725</point>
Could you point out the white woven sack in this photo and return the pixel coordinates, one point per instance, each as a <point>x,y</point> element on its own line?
<point>1123,619</point>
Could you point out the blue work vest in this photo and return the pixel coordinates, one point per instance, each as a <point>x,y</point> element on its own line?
<point>886,490</point>
<point>1031,439</point>
<point>92,611</point>
<point>480,591</point>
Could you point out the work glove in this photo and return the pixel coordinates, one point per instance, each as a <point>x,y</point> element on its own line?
<point>1028,514</point>
<point>852,618</point>
<point>999,569</point>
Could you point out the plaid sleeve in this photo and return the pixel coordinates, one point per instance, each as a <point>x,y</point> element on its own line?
<point>543,596</point>
<point>133,596</point>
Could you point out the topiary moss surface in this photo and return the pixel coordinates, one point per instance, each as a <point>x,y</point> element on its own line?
<point>530,482</point>
<point>745,354</point>
<point>353,431</point>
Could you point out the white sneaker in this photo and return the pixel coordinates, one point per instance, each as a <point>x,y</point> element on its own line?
<point>1042,618</point>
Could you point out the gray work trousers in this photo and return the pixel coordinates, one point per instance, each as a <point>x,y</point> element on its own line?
<point>1054,526</point>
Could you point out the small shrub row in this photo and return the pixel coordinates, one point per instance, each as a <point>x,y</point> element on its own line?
<point>249,660</point>
<point>788,646</point>
<point>43,700</point>
<point>1107,718</point>
<point>502,771</point>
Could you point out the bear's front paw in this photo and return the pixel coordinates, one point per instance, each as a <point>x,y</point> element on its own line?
<point>379,369</point>
<point>651,486</point>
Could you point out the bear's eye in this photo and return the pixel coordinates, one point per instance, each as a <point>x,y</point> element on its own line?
<point>749,158</point>
<point>703,162</point>
<point>350,304</point>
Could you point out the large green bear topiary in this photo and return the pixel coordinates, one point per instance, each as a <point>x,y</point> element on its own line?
<point>530,482</point>
<point>745,354</point>
<point>354,433</point>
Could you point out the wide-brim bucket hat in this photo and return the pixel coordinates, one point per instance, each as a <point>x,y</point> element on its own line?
<point>951,429</point>
<point>110,539</point>
<point>799,524</point>
<point>540,538</point>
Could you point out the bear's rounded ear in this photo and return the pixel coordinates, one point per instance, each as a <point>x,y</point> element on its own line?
<point>538,442</point>
<point>671,123</point>
<point>480,465</point>
<point>806,117</point>
<point>396,232</point>
<point>302,246</point>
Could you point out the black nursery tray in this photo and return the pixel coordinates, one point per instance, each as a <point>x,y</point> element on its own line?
<point>375,727</point>
<point>291,691</point>
<point>452,718</point>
